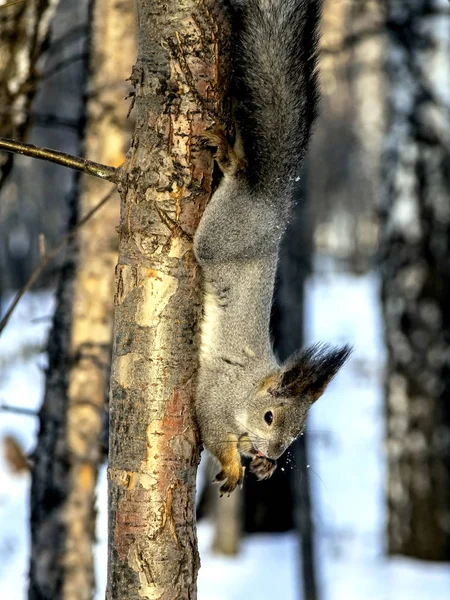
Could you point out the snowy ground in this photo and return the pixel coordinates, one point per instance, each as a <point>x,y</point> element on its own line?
<point>348,462</point>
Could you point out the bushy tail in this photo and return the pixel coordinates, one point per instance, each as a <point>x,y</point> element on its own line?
<point>275,81</point>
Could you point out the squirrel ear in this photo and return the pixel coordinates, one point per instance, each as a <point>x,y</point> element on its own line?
<point>310,371</point>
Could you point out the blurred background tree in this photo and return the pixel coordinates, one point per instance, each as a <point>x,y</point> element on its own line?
<point>24,35</point>
<point>69,448</point>
<point>415,269</point>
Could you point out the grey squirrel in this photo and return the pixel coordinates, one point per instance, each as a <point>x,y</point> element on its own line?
<point>246,403</point>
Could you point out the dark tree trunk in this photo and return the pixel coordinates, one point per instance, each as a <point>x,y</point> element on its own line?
<point>50,482</point>
<point>415,267</point>
<point>295,267</point>
<point>283,502</point>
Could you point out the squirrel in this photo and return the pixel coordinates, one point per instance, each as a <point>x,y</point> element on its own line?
<point>246,403</point>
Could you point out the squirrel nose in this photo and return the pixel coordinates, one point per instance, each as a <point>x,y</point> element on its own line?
<point>276,450</point>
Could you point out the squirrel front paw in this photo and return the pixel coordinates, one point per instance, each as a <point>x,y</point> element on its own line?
<point>231,478</point>
<point>232,475</point>
<point>263,467</point>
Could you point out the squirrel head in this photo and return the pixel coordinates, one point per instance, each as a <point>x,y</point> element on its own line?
<point>285,397</point>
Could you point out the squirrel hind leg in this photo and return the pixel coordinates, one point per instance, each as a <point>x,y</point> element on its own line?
<point>228,158</point>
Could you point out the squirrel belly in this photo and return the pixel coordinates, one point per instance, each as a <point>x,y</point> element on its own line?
<point>246,403</point>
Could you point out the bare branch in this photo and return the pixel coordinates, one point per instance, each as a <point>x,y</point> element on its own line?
<point>61,158</point>
<point>50,256</point>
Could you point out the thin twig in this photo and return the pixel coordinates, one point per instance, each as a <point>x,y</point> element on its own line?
<point>17,409</point>
<point>60,158</point>
<point>11,3</point>
<point>48,257</point>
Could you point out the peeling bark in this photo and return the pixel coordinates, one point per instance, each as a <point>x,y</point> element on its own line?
<point>154,445</point>
<point>416,278</point>
<point>69,452</point>
<point>23,34</point>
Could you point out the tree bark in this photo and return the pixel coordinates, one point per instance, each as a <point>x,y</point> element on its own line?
<point>69,451</point>
<point>416,278</point>
<point>23,34</point>
<point>179,79</point>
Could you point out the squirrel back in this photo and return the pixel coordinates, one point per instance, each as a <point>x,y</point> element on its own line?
<point>275,85</point>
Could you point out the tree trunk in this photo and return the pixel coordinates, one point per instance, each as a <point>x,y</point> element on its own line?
<point>179,83</point>
<point>68,452</point>
<point>366,83</point>
<point>416,278</point>
<point>23,34</point>
<point>294,269</point>
<point>228,523</point>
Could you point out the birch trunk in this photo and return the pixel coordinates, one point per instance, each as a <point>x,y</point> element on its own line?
<point>23,33</point>
<point>366,57</point>
<point>416,278</point>
<point>366,64</point>
<point>68,453</point>
<point>179,81</point>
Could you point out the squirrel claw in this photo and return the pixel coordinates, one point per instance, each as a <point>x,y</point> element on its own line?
<point>221,476</point>
<point>233,480</point>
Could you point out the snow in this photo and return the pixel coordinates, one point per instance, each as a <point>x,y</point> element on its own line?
<point>21,385</point>
<point>346,454</point>
<point>265,569</point>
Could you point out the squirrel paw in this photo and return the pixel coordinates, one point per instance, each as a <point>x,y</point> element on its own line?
<point>263,467</point>
<point>232,476</point>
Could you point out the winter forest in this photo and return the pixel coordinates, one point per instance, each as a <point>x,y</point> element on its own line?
<point>104,484</point>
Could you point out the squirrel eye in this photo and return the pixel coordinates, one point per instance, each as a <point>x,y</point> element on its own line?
<point>268,417</point>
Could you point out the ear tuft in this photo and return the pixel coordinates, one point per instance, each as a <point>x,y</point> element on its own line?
<point>310,371</point>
